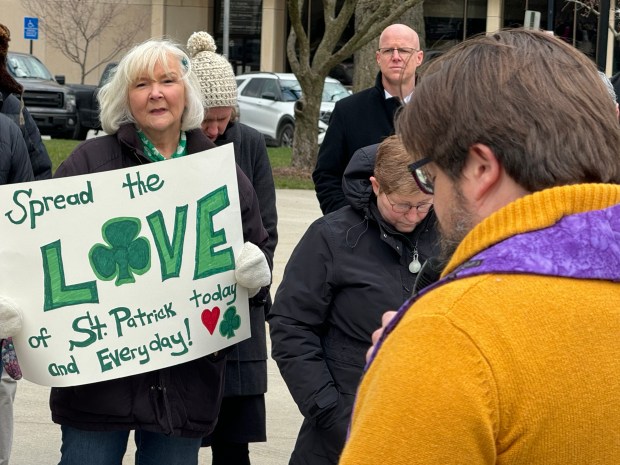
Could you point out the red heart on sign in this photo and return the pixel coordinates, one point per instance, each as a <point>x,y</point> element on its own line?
<point>209,318</point>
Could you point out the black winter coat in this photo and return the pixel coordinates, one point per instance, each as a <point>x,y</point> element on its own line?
<point>348,269</point>
<point>14,108</point>
<point>360,120</point>
<point>246,367</point>
<point>14,164</point>
<point>182,400</point>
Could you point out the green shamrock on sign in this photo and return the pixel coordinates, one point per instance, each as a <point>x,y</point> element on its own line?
<point>230,322</point>
<point>126,255</point>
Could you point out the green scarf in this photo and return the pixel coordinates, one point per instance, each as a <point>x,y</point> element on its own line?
<point>153,154</point>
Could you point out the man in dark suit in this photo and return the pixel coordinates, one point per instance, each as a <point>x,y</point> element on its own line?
<point>367,117</point>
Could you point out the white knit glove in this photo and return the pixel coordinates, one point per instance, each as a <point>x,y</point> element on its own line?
<point>10,318</point>
<point>251,269</point>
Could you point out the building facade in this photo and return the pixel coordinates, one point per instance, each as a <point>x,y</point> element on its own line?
<point>258,28</point>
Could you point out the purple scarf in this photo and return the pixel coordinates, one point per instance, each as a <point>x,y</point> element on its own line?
<point>580,246</point>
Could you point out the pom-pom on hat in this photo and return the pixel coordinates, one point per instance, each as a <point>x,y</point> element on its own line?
<point>214,72</point>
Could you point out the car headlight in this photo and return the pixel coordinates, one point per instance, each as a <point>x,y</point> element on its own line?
<point>70,101</point>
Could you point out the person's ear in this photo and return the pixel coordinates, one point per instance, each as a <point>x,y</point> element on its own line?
<point>482,171</point>
<point>375,185</point>
<point>419,57</point>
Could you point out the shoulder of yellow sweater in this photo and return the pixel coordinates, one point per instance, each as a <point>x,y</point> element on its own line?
<point>445,299</point>
<point>488,293</point>
<point>505,296</point>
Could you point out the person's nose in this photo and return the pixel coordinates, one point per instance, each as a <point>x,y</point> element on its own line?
<point>211,130</point>
<point>156,91</point>
<point>396,56</point>
<point>414,214</point>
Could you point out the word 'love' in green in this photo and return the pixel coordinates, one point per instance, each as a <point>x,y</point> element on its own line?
<point>127,253</point>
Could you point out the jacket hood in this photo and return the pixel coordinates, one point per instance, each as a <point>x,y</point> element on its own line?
<point>355,182</point>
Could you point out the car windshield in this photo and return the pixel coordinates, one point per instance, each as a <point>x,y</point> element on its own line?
<point>24,66</point>
<point>291,90</point>
<point>332,91</point>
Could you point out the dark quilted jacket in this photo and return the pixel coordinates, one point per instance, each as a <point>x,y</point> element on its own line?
<point>181,400</point>
<point>13,107</point>
<point>14,164</point>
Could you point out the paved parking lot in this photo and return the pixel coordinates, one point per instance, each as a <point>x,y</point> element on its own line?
<point>37,439</point>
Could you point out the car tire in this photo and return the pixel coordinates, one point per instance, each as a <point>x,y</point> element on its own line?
<point>285,136</point>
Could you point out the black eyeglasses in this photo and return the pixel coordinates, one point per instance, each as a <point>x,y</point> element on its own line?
<point>423,207</point>
<point>422,177</point>
<point>402,51</point>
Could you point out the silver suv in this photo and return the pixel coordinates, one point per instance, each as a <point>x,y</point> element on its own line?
<point>267,103</point>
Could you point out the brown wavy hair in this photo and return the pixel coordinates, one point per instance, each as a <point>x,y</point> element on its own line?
<point>537,102</point>
<point>391,169</point>
<point>7,82</point>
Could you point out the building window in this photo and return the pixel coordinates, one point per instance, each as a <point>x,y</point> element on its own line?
<point>514,12</point>
<point>575,27</point>
<point>447,23</point>
<point>244,32</point>
<point>568,22</point>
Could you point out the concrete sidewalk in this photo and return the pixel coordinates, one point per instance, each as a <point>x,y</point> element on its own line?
<point>37,439</point>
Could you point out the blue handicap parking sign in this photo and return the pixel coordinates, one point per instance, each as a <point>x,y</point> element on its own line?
<point>31,28</point>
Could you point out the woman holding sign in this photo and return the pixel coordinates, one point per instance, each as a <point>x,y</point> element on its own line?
<point>151,110</point>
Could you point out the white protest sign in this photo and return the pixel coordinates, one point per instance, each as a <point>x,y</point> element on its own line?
<point>126,271</point>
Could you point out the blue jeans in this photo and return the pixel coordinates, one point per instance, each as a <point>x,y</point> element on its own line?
<point>81,447</point>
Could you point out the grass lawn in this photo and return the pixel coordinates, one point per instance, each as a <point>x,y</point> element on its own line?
<point>280,158</point>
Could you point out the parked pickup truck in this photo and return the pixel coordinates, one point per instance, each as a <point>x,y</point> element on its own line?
<point>51,103</point>
<point>87,104</point>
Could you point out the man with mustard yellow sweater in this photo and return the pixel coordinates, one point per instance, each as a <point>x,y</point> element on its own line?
<point>513,357</point>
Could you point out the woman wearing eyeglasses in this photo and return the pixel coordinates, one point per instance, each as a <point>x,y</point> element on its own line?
<point>348,269</point>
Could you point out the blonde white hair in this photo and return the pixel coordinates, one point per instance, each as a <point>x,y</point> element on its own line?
<point>114,95</point>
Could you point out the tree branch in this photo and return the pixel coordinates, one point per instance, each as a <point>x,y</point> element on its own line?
<point>71,26</point>
<point>592,7</point>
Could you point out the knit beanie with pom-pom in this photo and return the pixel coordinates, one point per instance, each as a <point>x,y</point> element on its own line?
<point>214,72</point>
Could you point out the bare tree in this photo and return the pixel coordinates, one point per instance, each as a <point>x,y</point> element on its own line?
<point>311,69</point>
<point>72,26</point>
